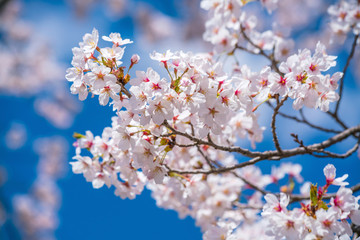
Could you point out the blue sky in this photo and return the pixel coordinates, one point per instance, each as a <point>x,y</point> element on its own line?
<point>87,213</point>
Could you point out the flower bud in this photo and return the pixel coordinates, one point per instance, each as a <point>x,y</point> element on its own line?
<point>135,59</point>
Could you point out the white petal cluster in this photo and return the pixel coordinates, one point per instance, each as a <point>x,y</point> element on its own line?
<point>300,76</point>
<point>200,101</point>
<point>165,129</point>
<point>229,26</point>
<point>304,82</point>
<point>345,18</point>
<point>99,75</point>
<point>316,219</point>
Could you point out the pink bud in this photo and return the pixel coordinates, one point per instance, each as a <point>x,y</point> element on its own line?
<point>135,59</point>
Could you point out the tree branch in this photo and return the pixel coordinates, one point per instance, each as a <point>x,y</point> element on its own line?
<point>304,121</point>
<point>273,126</point>
<point>208,161</point>
<point>251,185</point>
<point>267,155</point>
<point>353,47</point>
<point>261,51</point>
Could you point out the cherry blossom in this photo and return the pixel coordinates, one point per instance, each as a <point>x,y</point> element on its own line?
<point>176,132</point>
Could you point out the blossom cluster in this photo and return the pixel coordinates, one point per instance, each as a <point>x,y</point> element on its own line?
<point>345,18</point>
<point>99,75</point>
<point>197,95</point>
<point>199,100</point>
<point>167,130</point>
<point>303,79</point>
<point>299,76</point>
<point>205,198</point>
<point>230,27</point>
<point>316,219</point>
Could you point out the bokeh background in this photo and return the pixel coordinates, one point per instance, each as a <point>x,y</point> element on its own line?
<point>39,116</point>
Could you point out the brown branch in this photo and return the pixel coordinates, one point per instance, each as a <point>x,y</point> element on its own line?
<point>353,47</point>
<point>251,185</point>
<point>199,141</point>
<point>245,50</point>
<point>336,155</point>
<point>124,90</point>
<point>261,51</point>
<point>341,123</point>
<point>273,126</point>
<point>208,161</point>
<point>304,121</point>
<point>327,153</point>
<point>218,170</point>
<point>184,145</point>
<point>267,155</point>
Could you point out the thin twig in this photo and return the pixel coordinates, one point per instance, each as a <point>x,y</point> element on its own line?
<point>336,155</point>
<point>124,90</point>
<point>261,51</point>
<point>185,145</point>
<point>199,141</point>
<point>353,47</point>
<point>340,122</point>
<point>208,161</point>
<point>218,170</point>
<point>250,184</point>
<point>271,154</point>
<point>304,121</point>
<point>267,155</point>
<point>273,125</point>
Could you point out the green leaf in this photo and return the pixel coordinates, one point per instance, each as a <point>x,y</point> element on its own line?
<point>78,135</point>
<point>164,141</point>
<point>313,195</point>
<point>323,205</point>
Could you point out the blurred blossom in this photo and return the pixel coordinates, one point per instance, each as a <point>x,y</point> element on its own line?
<point>27,71</point>
<point>36,212</point>
<point>53,156</point>
<point>81,6</point>
<point>59,114</point>
<point>45,190</point>
<point>28,63</point>
<point>194,22</point>
<point>149,21</point>
<point>114,8</point>
<point>10,24</point>
<point>16,136</point>
<point>309,10</point>
<point>36,218</point>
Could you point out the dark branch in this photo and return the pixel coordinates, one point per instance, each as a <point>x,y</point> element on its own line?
<point>304,121</point>
<point>352,51</point>
<point>267,155</point>
<point>273,125</point>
